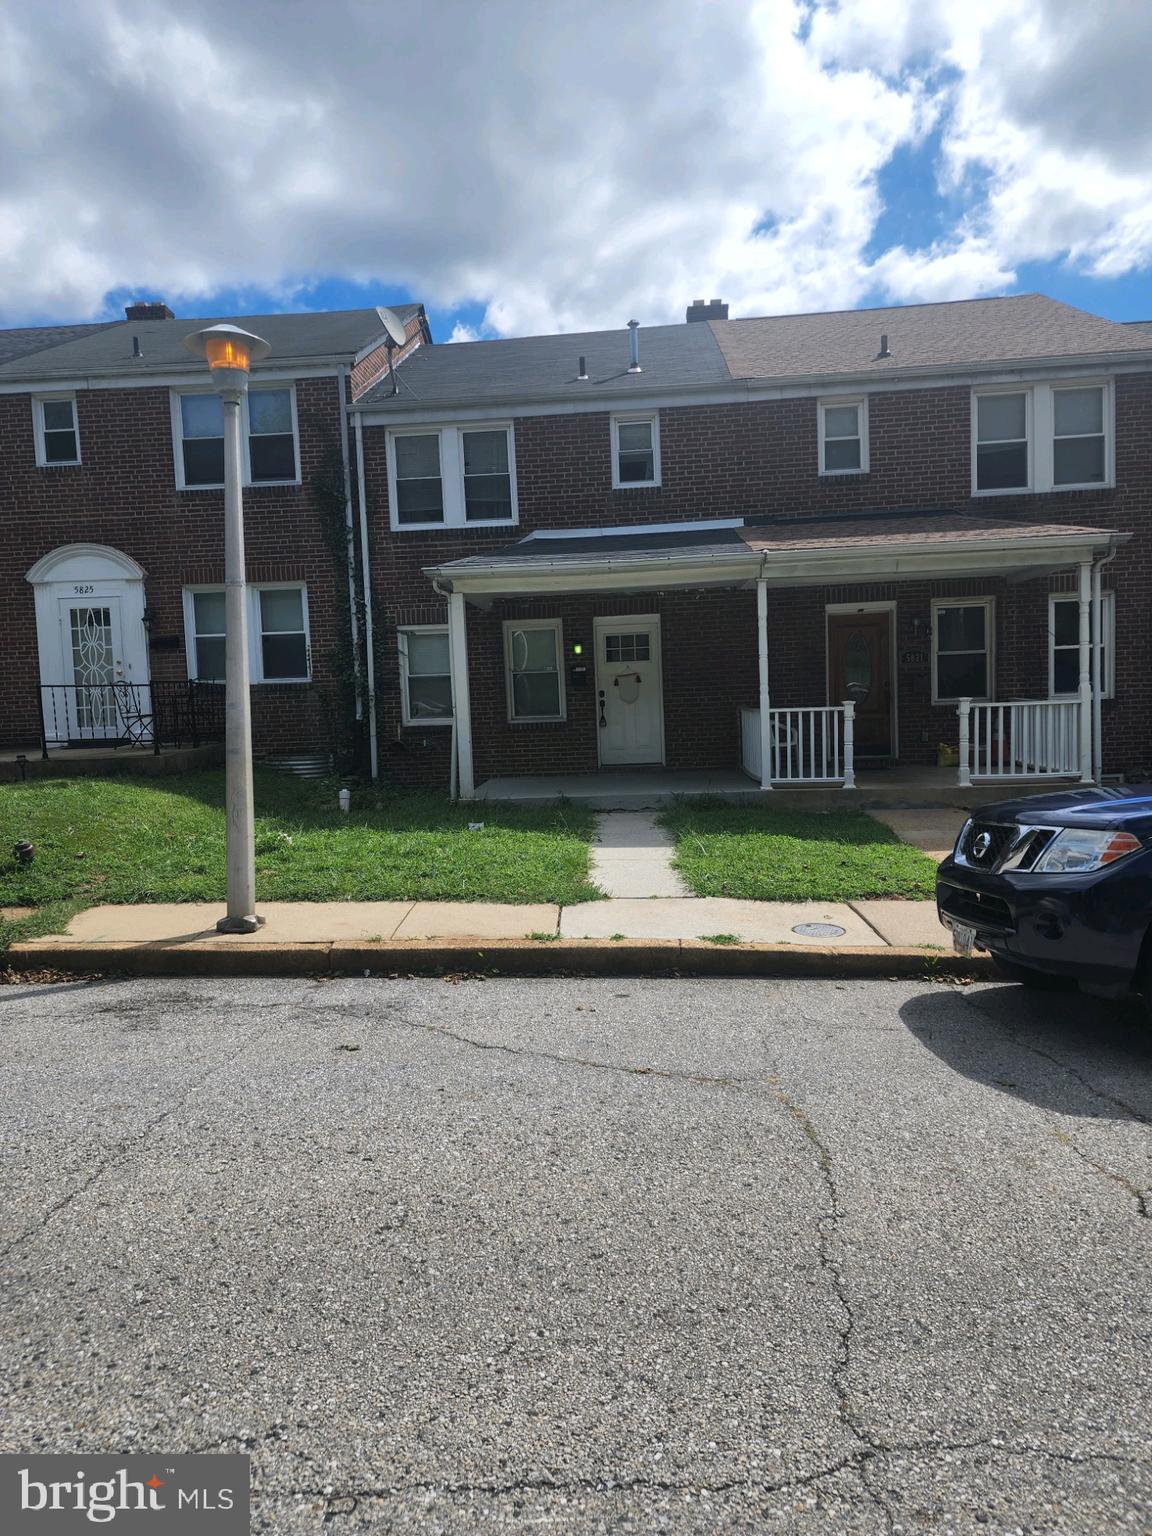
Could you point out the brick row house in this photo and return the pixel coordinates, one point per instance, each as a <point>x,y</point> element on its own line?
<point>111,502</point>
<point>798,549</point>
<point>801,546</point>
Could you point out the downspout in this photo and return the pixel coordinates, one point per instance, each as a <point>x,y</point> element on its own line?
<point>369,629</point>
<point>350,536</point>
<point>1097,671</point>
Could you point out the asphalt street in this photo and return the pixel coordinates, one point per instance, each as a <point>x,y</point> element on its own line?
<point>589,1256</point>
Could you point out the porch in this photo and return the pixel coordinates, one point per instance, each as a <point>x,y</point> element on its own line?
<point>819,656</point>
<point>642,789</point>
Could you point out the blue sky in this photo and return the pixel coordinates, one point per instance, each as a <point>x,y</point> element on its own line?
<point>516,176</point>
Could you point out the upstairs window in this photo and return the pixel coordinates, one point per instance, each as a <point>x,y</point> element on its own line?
<point>1002,442</point>
<point>57,437</point>
<point>487,480</point>
<point>635,451</point>
<point>202,439</point>
<point>532,651</point>
<point>843,437</point>
<point>961,650</point>
<point>425,675</point>
<point>1050,437</point>
<point>419,485</point>
<point>452,477</point>
<point>271,435</point>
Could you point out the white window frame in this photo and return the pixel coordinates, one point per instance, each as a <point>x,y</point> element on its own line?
<point>452,475</point>
<point>834,403</point>
<point>1108,625</point>
<point>38,404</point>
<point>1039,424</point>
<point>255,630</point>
<point>630,418</point>
<point>989,605</point>
<point>557,625</point>
<point>175,397</point>
<point>420,721</point>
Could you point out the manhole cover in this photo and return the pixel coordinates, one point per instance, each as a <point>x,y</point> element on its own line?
<point>819,930</point>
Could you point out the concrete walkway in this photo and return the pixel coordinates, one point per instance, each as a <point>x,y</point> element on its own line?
<point>933,831</point>
<point>632,857</point>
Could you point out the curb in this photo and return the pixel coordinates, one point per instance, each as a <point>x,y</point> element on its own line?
<point>498,957</point>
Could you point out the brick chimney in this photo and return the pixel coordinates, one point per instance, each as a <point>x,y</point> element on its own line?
<point>715,309</point>
<point>148,309</point>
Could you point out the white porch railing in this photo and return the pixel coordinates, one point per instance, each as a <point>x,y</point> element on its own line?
<point>1023,739</point>
<point>805,746</point>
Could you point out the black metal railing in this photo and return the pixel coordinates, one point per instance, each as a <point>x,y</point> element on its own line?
<point>142,715</point>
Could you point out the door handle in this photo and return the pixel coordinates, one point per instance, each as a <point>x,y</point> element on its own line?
<point>603,721</point>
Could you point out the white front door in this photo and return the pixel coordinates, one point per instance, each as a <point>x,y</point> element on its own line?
<point>629,690</point>
<point>92,646</point>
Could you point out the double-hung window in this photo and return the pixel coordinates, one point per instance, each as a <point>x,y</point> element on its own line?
<point>277,633</point>
<point>1064,646</point>
<point>452,477</point>
<point>843,437</point>
<point>425,675</point>
<point>962,634</point>
<point>57,436</point>
<point>532,655</point>
<point>268,426</point>
<point>1048,437</point>
<point>635,451</point>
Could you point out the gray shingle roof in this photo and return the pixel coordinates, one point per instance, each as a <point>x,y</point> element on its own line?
<point>80,350</point>
<point>971,333</point>
<point>29,339</point>
<point>544,367</point>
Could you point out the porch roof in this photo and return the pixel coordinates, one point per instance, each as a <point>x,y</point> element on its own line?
<point>884,545</point>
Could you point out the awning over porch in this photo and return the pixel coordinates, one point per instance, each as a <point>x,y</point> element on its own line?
<point>793,551</point>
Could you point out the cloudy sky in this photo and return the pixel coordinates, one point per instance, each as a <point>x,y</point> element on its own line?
<point>528,165</point>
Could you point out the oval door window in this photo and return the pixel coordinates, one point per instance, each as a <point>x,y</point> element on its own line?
<point>858,667</point>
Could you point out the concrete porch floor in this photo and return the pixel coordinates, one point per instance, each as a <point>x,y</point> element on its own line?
<point>85,762</point>
<point>640,789</point>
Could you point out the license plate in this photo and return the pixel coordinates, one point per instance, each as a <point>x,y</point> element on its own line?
<point>963,939</point>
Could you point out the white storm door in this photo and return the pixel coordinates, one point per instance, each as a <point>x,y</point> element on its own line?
<point>629,690</point>
<point>93,649</point>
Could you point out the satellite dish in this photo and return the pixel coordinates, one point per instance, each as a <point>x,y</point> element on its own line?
<point>391,323</point>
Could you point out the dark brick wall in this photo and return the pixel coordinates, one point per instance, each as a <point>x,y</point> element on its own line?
<point>124,495</point>
<point>760,459</point>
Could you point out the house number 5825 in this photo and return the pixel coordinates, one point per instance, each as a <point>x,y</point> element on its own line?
<point>86,586</point>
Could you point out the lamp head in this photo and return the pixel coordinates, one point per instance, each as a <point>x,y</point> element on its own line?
<point>229,353</point>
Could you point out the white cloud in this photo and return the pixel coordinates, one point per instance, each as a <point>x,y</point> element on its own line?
<point>563,165</point>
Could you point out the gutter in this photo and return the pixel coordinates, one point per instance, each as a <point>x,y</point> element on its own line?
<point>349,532</point>
<point>369,628</point>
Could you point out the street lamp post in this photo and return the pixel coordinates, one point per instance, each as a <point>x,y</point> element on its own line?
<point>229,353</point>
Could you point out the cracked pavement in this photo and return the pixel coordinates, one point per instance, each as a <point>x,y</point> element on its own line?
<point>591,1255</point>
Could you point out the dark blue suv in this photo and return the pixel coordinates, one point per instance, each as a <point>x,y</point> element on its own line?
<point>1057,886</point>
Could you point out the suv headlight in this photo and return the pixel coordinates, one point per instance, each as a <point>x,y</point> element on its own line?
<point>964,831</point>
<point>1077,850</point>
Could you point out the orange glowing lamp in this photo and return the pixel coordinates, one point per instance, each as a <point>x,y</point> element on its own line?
<point>229,353</point>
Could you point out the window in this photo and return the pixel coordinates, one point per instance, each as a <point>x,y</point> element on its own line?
<point>271,435</point>
<point>450,477</point>
<point>843,437</point>
<point>1064,646</point>
<point>419,487</point>
<point>627,647</point>
<point>56,432</point>
<point>635,451</point>
<point>425,676</point>
<point>532,650</point>
<point>961,650</point>
<point>1002,442</point>
<point>1078,447</point>
<point>1050,437</point>
<point>268,425</point>
<point>277,633</point>
<point>487,481</point>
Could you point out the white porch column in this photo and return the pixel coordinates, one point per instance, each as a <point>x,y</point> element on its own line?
<point>762,652</point>
<point>965,775</point>
<point>1097,672</point>
<point>461,704</point>
<point>1085,671</point>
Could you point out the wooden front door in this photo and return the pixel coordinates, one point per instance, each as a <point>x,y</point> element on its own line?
<point>860,669</point>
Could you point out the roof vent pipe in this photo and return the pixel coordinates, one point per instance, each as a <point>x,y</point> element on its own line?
<point>582,369</point>
<point>884,352</point>
<point>634,347</point>
<point>136,347</point>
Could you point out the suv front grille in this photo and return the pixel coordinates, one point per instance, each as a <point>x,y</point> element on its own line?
<point>987,843</point>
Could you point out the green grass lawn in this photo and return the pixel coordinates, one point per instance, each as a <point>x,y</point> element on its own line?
<point>134,839</point>
<point>752,852</point>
